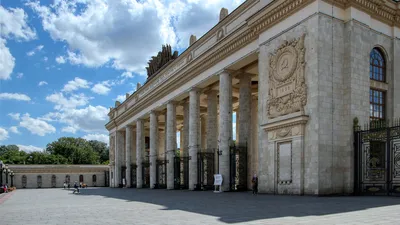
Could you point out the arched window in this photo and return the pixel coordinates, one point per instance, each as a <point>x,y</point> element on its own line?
<point>67,179</point>
<point>377,97</point>
<point>81,178</point>
<point>39,181</point>
<point>377,65</point>
<point>53,181</point>
<point>23,181</point>
<point>94,178</point>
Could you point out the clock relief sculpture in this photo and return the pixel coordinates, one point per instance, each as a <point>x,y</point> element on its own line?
<point>287,88</point>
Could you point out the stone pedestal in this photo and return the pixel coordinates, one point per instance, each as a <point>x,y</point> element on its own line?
<point>171,143</point>
<point>139,152</point>
<point>225,124</point>
<point>194,121</point>
<point>153,147</point>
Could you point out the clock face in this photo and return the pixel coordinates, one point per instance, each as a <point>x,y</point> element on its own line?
<point>286,64</point>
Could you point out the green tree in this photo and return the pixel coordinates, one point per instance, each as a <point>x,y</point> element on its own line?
<point>101,149</point>
<point>11,154</point>
<point>75,150</point>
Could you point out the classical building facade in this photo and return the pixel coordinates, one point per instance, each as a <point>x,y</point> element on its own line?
<point>54,176</point>
<point>298,74</point>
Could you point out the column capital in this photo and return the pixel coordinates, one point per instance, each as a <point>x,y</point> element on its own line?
<point>129,126</point>
<point>228,71</point>
<point>174,102</point>
<point>194,89</point>
<point>210,91</point>
<point>155,112</point>
<point>242,74</point>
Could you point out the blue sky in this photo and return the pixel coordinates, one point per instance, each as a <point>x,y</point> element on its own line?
<point>64,63</point>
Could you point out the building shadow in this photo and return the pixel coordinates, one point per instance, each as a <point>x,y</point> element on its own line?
<point>244,207</point>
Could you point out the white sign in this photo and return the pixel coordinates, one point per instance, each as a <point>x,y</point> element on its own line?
<point>218,179</point>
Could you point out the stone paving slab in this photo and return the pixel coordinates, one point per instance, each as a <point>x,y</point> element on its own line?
<point>143,206</point>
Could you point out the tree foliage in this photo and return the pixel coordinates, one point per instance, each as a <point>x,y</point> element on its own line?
<point>66,150</point>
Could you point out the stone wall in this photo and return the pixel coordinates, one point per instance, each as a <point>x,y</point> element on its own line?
<point>60,172</point>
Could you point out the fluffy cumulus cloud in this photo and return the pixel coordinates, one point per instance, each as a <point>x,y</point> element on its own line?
<point>97,137</point>
<point>76,84</point>
<point>41,83</point>
<point>13,25</point>
<point>64,102</point>
<point>69,129</point>
<point>30,148</point>
<point>14,96</point>
<point>3,134</point>
<point>36,126</point>
<point>14,130</point>
<point>120,98</point>
<point>125,34</point>
<point>102,88</point>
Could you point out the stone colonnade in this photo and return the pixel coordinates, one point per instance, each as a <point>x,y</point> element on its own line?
<point>216,126</point>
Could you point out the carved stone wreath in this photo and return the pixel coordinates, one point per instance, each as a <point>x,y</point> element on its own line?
<point>287,88</point>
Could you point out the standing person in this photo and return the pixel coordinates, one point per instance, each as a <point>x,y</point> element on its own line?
<point>65,185</point>
<point>6,188</point>
<point>254,182</point>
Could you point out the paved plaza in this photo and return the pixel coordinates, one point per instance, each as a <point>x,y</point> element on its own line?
<point>133,206</point>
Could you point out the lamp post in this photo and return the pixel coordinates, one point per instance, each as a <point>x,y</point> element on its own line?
<point>7,171</point>
<point>12,180</point>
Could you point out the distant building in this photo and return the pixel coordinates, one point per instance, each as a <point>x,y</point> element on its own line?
<point>54,176</point>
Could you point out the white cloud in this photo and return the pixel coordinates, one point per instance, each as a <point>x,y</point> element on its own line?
<point>102,88</point>
<point>36,126</point>
<point>7,61</point>
<point>20,75</point>
<point>120,98</point>
<point>45,59</point>
<point>3,134</point>
<point>35,50</point>
<point>69,129</point>
<point>13,25</point>
<point>14,96</point>
<point>61,102</point>
<point>14,129</point>
<point>41,83</point>
<point>15,116</point>
<point>97,137</point>
<point>75,84</point>
<point>127,74</point>
<point>125,34</point>
<point>60,60</point>
<point>30,148</point>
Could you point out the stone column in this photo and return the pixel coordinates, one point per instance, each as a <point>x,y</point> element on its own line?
<point>237,126</point>
<point>225,124</point>
<point>128,150</point>
<point>203,132</point>
<point>194,119</point>
<point>153,147</point>
<point>139,152</point>
<point>118,161</point>
<point>244,115</point>
<point>185,146</point>
<point>171,142</point>
<point>181,140</point>
<point>212,123</point>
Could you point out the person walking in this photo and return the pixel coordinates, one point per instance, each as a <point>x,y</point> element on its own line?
<point>76,188</point>
<point>65,185</point>
<point>254,182</point>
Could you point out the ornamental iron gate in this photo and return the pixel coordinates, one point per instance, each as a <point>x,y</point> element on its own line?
<point>181,172</point>
<point>377,159</point>
<point>146,173</point>
<point>133,175</point>
<point>161,174</point>
<point>238,168</point>
<point>206,169</point>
